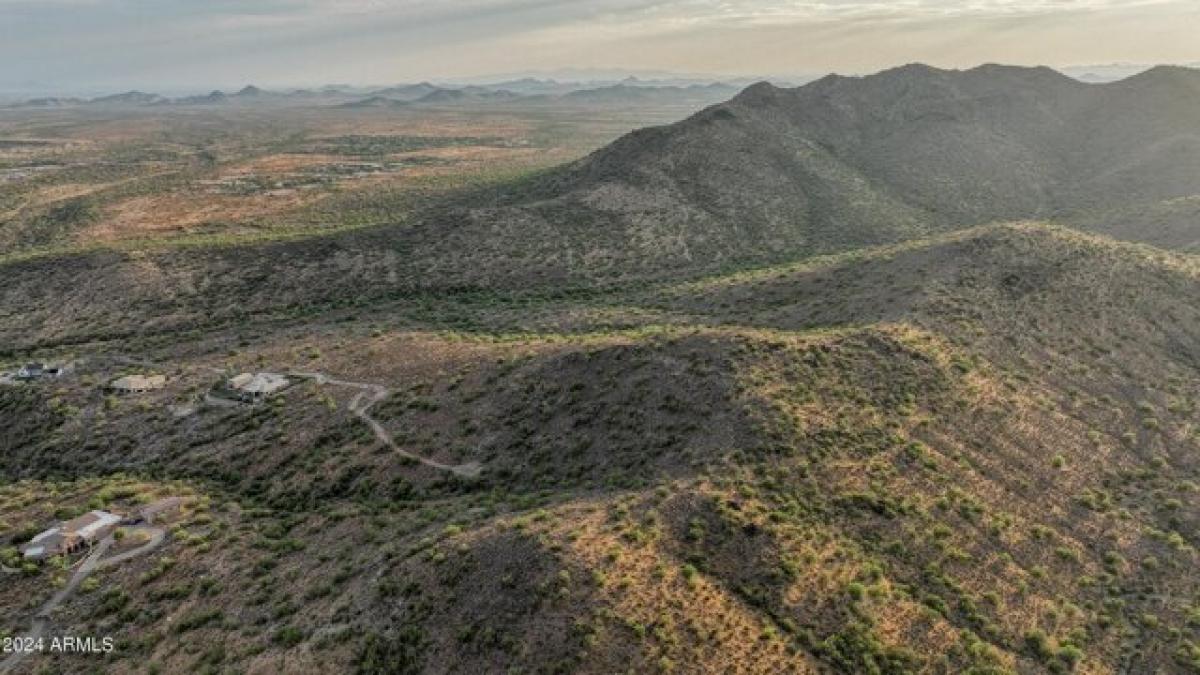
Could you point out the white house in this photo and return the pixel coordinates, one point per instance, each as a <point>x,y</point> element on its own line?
<point>255,386</point>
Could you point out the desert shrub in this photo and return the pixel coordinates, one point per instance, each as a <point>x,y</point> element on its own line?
<point>401,654</point>
<point>289,636</point>
<point>198,620</point>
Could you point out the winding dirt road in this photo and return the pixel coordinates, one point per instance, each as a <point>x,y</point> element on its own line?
<point>368,397</point>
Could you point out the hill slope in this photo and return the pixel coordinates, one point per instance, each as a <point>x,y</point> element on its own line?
<point>771,176</point>
<point>848,162</point>
<point>971,452</point>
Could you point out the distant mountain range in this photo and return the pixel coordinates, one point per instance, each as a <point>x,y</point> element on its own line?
<point>429,94</point>
<point>549,85</point>
<point>616,94</point>
<point>842,162</point>
<point>139,98</point>
<point>629,90</point>
<point>407,92</point>
<point>131,98</point>
<point>1111,72</point>
<point>630,93</point>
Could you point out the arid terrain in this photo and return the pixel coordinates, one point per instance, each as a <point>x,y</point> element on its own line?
<point>895,374</point>
<point>92,175</point>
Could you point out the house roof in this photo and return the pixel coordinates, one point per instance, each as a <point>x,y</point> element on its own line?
<point>43,542</point>
<point>139,382</point>
<point>31,370</point>
<point>160,506</point>
<point>259,383</point>
<point>49,534</point>
<point>89,524</point>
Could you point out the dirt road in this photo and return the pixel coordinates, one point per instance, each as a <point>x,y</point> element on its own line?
<point>368,397</point>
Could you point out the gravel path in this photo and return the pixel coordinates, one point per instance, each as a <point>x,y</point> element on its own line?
<point>368,397</point>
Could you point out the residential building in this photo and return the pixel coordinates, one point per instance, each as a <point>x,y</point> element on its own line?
<point>37,371</point>
<point>158,510</point>
<point>138,383</point>
<point>256,386</point>
<point>71,537</point>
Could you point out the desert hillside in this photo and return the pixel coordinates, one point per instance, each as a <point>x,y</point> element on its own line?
<point>771,176</point>
<point>845,162</point>
<point>969,453</point>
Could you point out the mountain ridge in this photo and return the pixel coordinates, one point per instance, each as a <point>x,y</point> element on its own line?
<point>844,162</point>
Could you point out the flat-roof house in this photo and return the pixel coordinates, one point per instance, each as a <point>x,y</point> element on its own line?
<point>254,386</point>
<point>45,545</point>
<point>93,525</point>
<point>72,536</point>
<point>37,371</point>
<point>155,510</point>
<point>138,383</point>
<point>31,371</point>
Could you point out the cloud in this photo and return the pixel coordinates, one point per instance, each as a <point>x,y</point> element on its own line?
<point>210,41</point>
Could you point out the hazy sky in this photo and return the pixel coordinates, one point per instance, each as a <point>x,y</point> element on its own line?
<point>110,43</point>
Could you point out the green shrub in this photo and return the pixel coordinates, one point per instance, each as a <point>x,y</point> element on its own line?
<point>288,636</point>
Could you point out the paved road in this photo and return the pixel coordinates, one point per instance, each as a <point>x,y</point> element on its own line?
<point>368,397</point>
<point>94,561</point>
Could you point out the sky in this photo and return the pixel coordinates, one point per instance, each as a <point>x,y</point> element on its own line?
<point>198,44</point>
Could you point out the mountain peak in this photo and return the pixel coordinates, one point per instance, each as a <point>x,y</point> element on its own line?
<point>920,150</point>
<point>911,70</point>
<point>133,96</point>
<point>758,95</point>
<point>1166,75</point>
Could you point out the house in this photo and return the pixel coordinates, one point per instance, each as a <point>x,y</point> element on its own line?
<point>31,371</point>
<point>131,384</point>
<point>149,513</point>
<point>45,545</point>
<point>256,386</point>
<point>37,371</point>
<point>73,536</point>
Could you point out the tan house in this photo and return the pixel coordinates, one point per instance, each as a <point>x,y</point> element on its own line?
<point>71,537</point>
<point>136,384</point>
<point>163,508</point>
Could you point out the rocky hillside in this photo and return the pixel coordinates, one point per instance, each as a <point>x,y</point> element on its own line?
<point>846,162</point>
<point>772,175</point>
<point>974,453</point>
